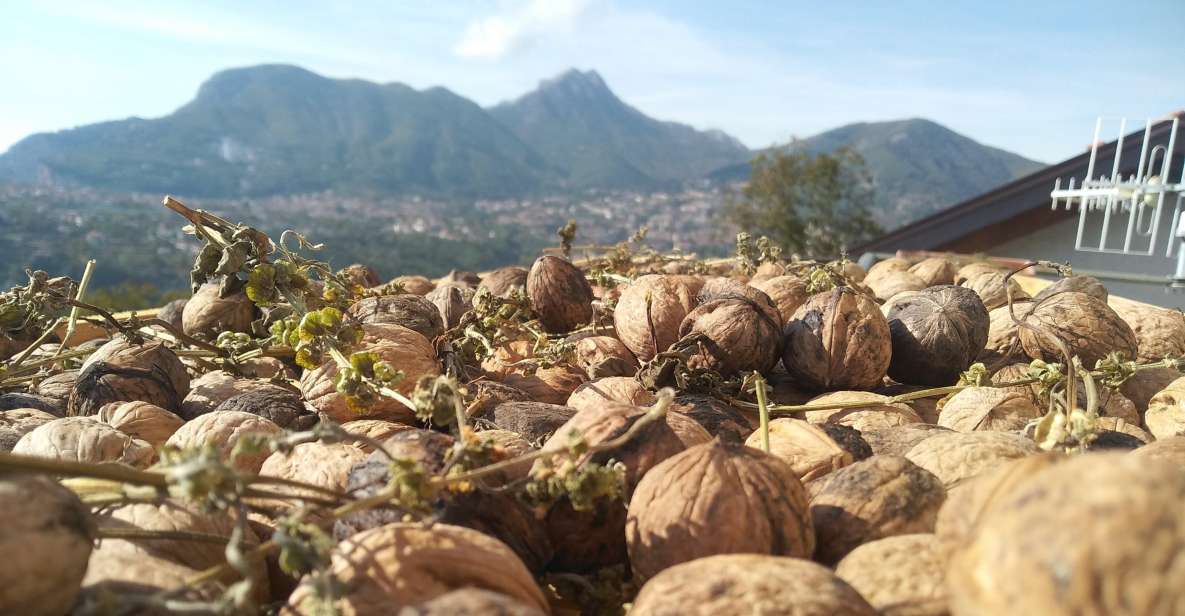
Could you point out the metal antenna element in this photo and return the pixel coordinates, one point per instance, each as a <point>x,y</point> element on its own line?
<point>1141,195</point>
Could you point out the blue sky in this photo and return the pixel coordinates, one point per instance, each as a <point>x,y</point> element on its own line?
<point>1026,76</point>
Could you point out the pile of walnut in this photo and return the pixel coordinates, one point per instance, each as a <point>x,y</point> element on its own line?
<point>940,505</point>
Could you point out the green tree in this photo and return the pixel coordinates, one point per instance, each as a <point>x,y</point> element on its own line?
<point>811,205</point>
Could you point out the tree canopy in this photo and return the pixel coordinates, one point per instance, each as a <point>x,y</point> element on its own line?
<point>813,205</point>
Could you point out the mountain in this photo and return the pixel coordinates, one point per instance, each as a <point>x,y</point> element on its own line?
<point>578,124</point>
<point>282,130</point>
<point>918,166</point>
<point>278,129</point>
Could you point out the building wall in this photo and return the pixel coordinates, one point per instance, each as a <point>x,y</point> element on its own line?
<point>1056,243</point>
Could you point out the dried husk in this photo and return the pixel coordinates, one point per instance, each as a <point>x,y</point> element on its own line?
<point>376,430</point>
<point>173,516</point>
<point>1088,327</point>
<point>889,284</point>
<point>1170,449</point>
<point>935,271</point>
<point>687,508</point>
<point>898,440</point>
<point>988,408</point>
<point>281,405</point>
<point>362,275</point>
<point>650,311</point>
<point>16,423</point>
<point>876,412</point>
<point>502,281</point>
<point>416,285</point>
<point>551,385</point>
<point>560,295</point>
<point>212,389</point>
<point>121,370</point>
<point>850,439</point>
<point>1165,416</point>
<point>747,584</point>
<point>472,602</point>
<point>498,514</point>
<point>741,336</point>
<point>403,348</point>
<point>207,315</point>
<point>955,457</point>
<point>993,290</point>
<point>593,394</point>
<point>964,507</point>
<point>84,439</point>
<point>412,311</point>
<point>1080,284</point>
<point>1160,332</point>
<point>222,429</point>
<point>601,356</point>
<point>716,416</point>
<point>46,540</point>
<point>903,575</point>
<point>806,448</point>
<point>786,292</point>
<point>1147,383</point>
<point>452,301</point>
<point>402,565</point>
<point>971,270</point>
<point>589,540</point>
<point>837,340</point>
<point>871,499</point>
<point>936,334</point>
<point>482,396</point>
<point>1051,547</point>
<point>141,420</point>
<point>535,421</point>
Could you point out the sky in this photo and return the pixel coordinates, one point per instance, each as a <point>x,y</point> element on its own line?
<point>1030,77</point>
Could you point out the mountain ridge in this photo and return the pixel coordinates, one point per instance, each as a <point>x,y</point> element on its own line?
<point>280,129</point>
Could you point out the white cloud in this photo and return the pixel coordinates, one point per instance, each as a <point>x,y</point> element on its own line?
<point>496,36</point>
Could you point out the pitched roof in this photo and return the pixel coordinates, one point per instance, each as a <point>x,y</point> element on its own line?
<point>977,224</point>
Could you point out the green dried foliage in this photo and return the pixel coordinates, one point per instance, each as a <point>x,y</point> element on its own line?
<point>28,310</point>
<point>976,376</point>
<point>363,378</point>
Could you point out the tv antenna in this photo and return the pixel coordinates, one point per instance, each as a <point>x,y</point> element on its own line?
<point>1142,196</point>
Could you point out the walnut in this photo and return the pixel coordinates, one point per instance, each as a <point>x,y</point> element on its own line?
<point>837,340</point>
<point>1087,326</point>
<point>46,538</point>
<point>559,294</point>
<point>1097,534</point>
<point>936,334</point>
<point>685,508</point>
<point>872,499</point>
